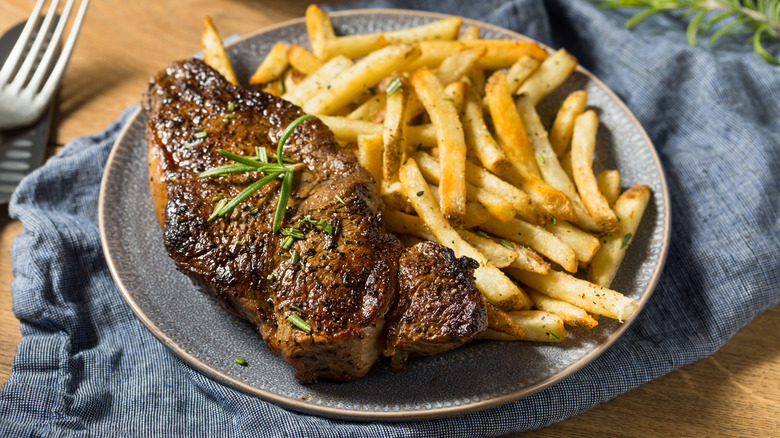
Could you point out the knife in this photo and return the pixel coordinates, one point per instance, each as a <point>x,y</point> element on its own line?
<point>22,149</point>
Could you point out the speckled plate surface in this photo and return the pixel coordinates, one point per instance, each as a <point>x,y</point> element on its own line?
<point>478,376</point>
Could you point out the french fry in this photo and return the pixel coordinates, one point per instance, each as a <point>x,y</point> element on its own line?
<point>497,206</point>
<point>609,185</point>
<point>537,326</point>
<point>369,155</point>
<point>452,145</point>
<point>470,33</point>
<point>370,108</point>
<point>479,140</point>
<point>499,54</point>
<point>500,321</point>
<point>591,297</point>
<point>317,81</point>
<point>529,260</point>
<point>455,92</point>
<point>458,64</point>
<point>520,71</point>
<point>354,46</point>
<point>549,166</point>
<point>393,134</point>
<point>583,243</point>
<point>476,214</point>
<point>563,126</point>
<point>303,60</point>
<point>214,53</point>
<point>319,28</point>
<point>538,238</point>
<point>510,133</point>
<point>494,285</point>
<point>273,65</point>
<point>629,207</point>
<point>409,241</point>
<point>550,74</point>
<point>544,196</point>
<point>499,255</point>
<point>404,223</point>
<point>393,196</point>
<point>520,200</point>
<point>582,146</point>
<point>570,314</point>
<point>366,73</point>
<point>347,130</point>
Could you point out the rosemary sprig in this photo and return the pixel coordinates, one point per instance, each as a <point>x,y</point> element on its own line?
<point>260,163</point>
<point>760,18</point>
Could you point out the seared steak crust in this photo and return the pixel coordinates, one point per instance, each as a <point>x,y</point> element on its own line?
<point>344,282</point>
<point>438,308</point>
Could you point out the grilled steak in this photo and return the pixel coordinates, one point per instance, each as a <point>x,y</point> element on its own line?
<point>345,280</point>
<point>438,308</point>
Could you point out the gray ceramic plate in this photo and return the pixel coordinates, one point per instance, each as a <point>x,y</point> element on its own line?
<point>478,376</point>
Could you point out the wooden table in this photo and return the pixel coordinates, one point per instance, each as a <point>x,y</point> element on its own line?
<point>735,392</point>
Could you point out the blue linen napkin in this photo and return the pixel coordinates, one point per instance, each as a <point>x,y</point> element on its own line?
<point>87,367</point>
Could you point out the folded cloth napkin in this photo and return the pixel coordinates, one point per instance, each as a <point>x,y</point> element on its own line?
<point>87,367</point>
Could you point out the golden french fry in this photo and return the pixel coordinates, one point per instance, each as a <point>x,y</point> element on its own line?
<point>319,28</point>
<point>214,53</point>
<point>479,140</point>
<point>347,130</point>
<point>393,196</point>
<point>393,134</point>
<point>563,126</point>
<point>537,326</point>
<point>538,238</point>
<point>583,243</point>
<point>409,241</point>
<point>458,64</point>
<point>366,73</point>
<point>500,321</point>
<point>520,71</point>
<point>499,255</point>
<point>510,132</point>
<point>499,54</point>
<point>550,74</point>
<point>583,144</point>
<point>609,185</point>
<point>591,297</point>
<point>528,259</point>
<point>549,166</point>
<point>470,33</point>
<point>317,81</point>
<point>520,200</point>
<point>476,214</point>
<point>497,206</point>
<point>455,92</point>
<point>544,196</point>
<point>493,284</point>
<point>303,60</point>
<point>273,65</point>
<point>355,46</point>
<point>370,108</point>
<point>369,155</point>
<point>629,207</point>
<point>452,145</point>
<point>404,223</point>
<point>569,313</point>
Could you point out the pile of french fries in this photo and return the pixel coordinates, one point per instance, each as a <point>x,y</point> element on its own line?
<point>446,123</point>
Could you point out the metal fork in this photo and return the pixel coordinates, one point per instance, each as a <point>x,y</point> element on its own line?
<point>24,95</point>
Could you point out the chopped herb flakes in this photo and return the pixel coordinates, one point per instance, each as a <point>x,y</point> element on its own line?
<point>625,240</point>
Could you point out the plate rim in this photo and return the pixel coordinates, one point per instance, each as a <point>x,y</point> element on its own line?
<point>409,415</point>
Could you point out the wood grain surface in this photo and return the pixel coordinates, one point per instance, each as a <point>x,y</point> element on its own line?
<point>735,392</point>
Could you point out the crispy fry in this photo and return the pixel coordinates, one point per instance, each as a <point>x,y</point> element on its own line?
<point>498,53</point>
<point>273,65</point>
<point>529,259</point>
<point>549,166</point>
<point>319,28</point>
<point>591,297</point>
<point>500,321</point>
<point>609,185</point>
<point>520,71</point>
<point>452,145</point>
<point>537,326</point>
<point>404,223</point>
<point>458,64</point>
<point>497,206</point>
<point>479,140</point>
<point>549,199</point>
<point>563,126</point>
<point>303,60</point>
<point>476,214</point>
<point>347,130</point>
<point>569,313</point>
<point>535,237</point>
<point>499,255</point>
<point>394,135</point>
<point>583,243</point>
<point>370,108</point>
<point>550,74</point>
<point>369,155</point>
<point>582,146</point>
<point>214,52</point>
<point>510,133</point>
<point>630,207</point>
<point>517,198</point>
<point>366,73</point>
<point>493,284</point>
<point>317,81</point>
<point>470,33</point>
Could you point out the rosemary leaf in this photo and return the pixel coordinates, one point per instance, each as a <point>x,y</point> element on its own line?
<point>247,192</point>
<point>284,196</point>
<point>286,134</point>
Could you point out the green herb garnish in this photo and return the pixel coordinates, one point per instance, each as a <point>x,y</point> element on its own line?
<point>507,244</point>
<point>481,234</point>
<point>625,240</point>
<point>200,134</point>
<point>553,220</point>
<point>554,336</point>
<point>294,257</point>
<point>541,158</point>
<point>240,361</point>
<point>394,85</point>
<point>297,321</point>
<point>338,198</point>
<point>326,226</point>
<point>420,193</point>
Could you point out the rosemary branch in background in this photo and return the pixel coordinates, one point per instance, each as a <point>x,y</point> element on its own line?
<point>761,18</point>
